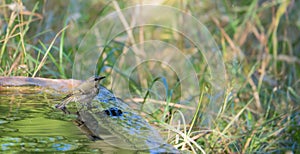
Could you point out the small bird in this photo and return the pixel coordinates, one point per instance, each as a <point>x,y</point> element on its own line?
<point>84,93</point>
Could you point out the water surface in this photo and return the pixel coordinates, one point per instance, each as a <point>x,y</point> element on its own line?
<point>29,122</point>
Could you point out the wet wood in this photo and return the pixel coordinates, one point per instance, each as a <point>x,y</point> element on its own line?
<point>60,85</point>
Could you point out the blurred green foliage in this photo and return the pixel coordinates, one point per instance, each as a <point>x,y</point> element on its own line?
<point>259,41</point>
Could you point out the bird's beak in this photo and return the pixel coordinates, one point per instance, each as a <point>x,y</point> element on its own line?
<point>98,78</point>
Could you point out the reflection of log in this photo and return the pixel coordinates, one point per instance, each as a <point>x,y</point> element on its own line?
<point>83,128</point>
<point>61,85</point>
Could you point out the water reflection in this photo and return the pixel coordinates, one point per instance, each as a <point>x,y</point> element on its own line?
<point>29,122</point>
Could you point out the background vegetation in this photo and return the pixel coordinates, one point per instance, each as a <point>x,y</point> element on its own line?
<point>259,41</point>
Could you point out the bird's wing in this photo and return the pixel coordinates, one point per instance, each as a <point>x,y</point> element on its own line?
<point>69,98</point>
<point>66,97</point>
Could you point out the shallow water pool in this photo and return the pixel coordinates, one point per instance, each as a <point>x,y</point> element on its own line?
<point>29,122</point>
